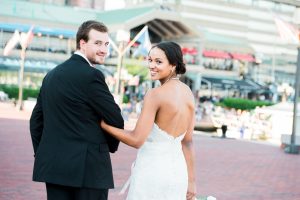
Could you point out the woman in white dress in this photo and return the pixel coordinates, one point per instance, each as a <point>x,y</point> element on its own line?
<point>164,168</point>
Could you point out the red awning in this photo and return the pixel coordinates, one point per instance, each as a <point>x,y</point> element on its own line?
<point>191,51</point>
<point>216,54</point>
<point>243,57</point>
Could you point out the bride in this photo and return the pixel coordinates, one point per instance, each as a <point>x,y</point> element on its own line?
<point>164,167</point>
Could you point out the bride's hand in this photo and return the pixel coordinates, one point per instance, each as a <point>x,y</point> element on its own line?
<point>103,124</point>
<point>191,193</point>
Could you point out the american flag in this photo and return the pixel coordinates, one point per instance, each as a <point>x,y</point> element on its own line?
<point>287,32</point>
<point>14,40</point>
<point>26,38</point>
<point>145,43</point>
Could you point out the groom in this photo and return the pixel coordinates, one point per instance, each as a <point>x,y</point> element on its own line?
<point>71,150</point>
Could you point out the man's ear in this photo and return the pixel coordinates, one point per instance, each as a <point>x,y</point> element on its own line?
<point>82,44</point>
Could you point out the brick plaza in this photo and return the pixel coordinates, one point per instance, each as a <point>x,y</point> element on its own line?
<point>228,169</point>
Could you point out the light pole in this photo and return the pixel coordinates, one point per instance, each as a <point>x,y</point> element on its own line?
<point>293,148</point>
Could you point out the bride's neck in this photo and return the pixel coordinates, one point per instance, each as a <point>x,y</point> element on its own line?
<point>174,77</point>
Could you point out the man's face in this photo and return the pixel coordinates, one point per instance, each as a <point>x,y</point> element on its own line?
<point>95,49</point>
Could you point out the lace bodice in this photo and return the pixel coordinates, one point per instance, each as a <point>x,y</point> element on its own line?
<point>159,135</point>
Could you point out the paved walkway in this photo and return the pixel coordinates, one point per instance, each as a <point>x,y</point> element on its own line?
<point>226,168</point>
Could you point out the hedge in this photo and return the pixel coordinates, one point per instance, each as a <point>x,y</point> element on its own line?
<point>13,92</point>
<point>243,104</point>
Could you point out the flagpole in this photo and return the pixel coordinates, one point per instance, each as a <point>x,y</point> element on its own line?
<point>121,51</point>
<point>119,69</point>
<point>24,41</point>
<point>21,77</point>
<point>111,42</point>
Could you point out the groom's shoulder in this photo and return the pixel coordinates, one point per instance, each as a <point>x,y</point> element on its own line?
<point>97,73</point>
<point>74,60</point>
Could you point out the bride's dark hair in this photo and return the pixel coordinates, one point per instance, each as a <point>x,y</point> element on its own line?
<point>174,55</point>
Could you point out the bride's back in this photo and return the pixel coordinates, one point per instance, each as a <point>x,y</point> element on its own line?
<point>176,107</point>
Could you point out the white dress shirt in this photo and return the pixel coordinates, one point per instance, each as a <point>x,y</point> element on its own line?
<point>82,55</point>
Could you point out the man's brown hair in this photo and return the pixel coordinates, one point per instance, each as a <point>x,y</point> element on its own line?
<point>86,27</point>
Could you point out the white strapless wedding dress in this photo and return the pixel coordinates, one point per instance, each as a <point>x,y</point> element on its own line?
<point>160,171</point>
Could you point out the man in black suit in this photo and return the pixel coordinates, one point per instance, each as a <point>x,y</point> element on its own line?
<point>71,150</point>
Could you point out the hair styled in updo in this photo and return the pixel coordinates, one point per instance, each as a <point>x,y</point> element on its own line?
<point>174,55</point>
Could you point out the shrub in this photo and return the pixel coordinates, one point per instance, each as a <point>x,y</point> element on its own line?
<point>125,99</point>
<point>243,104</point>
<point>13,92</point>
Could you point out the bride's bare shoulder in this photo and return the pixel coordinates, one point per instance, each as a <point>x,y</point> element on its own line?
<point>151,94</point>
<point>153,91</point>
<point>187,90</point>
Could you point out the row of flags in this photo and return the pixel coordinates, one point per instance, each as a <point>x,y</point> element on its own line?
<point>24,39</point>
<point>287,32</point>
<point>142,49</point>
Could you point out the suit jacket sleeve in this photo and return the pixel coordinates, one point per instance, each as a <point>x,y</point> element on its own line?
<point>103,102</point>
<point>37,123</point>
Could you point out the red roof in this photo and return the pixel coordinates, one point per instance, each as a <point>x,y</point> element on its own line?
<point>191,51</point>
<point>243,57</point>
<point>219,54</point>
<point>216,54</point>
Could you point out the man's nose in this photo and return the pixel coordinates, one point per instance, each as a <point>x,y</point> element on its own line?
<point>104,48</point>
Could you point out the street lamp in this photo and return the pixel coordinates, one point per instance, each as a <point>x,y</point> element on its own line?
<point>293,148</point>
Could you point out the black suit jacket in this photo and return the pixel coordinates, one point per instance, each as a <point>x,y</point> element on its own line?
<point>69,145</point>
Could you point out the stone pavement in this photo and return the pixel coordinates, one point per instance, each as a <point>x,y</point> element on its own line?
<point>226,168</point>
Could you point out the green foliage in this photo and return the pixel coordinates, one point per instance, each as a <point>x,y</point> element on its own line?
<point>138,70</point>
<point>243,104</point>
<point>13,92</point>
<point>125,99</point>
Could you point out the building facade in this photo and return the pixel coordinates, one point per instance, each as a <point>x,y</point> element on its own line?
<point>249,22</point>
<point>235,39</point>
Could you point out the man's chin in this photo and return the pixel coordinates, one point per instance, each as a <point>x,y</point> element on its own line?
<point>98,62</point>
